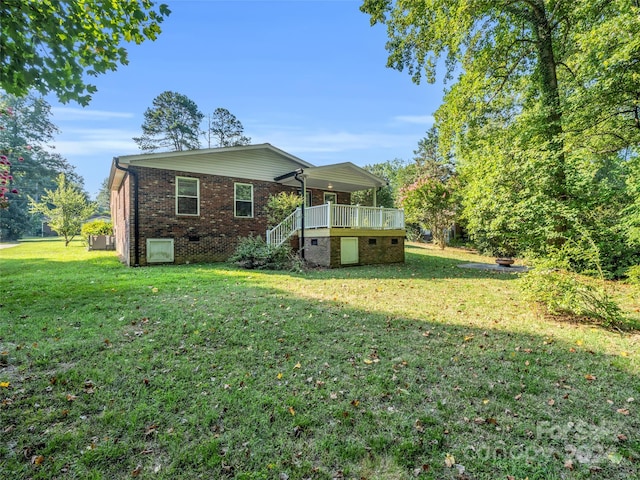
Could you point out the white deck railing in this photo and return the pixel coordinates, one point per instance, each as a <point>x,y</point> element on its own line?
<point>332,215</point>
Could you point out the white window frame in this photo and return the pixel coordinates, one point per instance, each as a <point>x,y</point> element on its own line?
<point>197,197</point>
<point>307,198</point>
<point>235,200</point>
<point>334,195</point>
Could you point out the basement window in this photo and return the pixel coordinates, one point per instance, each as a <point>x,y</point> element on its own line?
<point>159,250</point>
<point>394,241</point>
<point>314,241</point>
<point>373,241</point>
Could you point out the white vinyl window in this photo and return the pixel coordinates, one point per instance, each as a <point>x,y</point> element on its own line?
<point>307,198</point>
<point>330,197</point>
<point>187,196</point>
<point>243,200</point>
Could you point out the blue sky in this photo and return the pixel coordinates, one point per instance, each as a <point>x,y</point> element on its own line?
<point>307,76</point>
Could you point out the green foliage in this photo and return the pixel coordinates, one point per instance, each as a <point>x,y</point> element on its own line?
<point>393,171</point>
<point>254,253</point>
<point>96,227</point>
<point>561,291</point>
<point>65,209</point>
<point>53,46</point>
<point>633,274</point>
<point>26,132</point>
<point>280,206</point>
<point>173,123</point>
<point>225,129</point>
<point>540,130</point>
<point>103,199</point>
<point>431,203</point>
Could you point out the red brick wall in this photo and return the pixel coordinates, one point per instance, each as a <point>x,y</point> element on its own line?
<point>122,220</point>
<point>317,197</point>
<point>211,236</point>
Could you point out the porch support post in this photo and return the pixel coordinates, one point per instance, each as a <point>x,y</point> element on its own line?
<point>375,200</point>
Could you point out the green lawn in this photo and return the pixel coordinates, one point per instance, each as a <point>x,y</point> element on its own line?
<point>388,372</point>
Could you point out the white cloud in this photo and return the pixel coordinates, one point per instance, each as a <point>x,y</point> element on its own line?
<point>415,119</point>
<point>84,114</point>
<point>95,141</point>
<point>293,140</point>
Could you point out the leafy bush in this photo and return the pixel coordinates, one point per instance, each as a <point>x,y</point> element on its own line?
<point>96,227</point>
<point>633,274</point>
<point>561,291</point>
<point>280,206</point>
<point>255,253</point>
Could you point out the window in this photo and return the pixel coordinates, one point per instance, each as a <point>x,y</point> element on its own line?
<point>243,200</point>
<point>307,198</point>
<point>159,250</point>
<point>330,197</point>
<point>187,196</point>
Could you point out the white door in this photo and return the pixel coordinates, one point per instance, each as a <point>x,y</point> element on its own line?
<point>348,250</point>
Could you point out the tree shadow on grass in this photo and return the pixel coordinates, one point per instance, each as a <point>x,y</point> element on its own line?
<point>419,263</point>
<point>258,382</point>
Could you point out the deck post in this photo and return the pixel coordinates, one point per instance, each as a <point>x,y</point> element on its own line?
<point>381,218</point>
<point>329,219</point>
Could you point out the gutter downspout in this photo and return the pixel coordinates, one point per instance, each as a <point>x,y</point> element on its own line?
<point>303,185</point>
<point>136,217</point>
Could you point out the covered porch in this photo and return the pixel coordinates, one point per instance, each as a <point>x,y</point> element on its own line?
<point>333,234</point>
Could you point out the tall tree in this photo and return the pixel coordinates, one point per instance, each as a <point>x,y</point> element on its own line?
<point>52,46</point>
<point>532,107</point>
<point>65,208</point>
<point>225,130</point>
<point>25,137</point>
<point>395,172</point>
<point>172,123</point>
<point>103,199</point>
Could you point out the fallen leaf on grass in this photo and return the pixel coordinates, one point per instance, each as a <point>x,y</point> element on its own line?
<point>568,465</point>
<point>622,437</point>
<point>623,411</point>
<point>136,471</point>
<point>5,384</point>
<point>449,460</point>
<point>590,377</point>
<point>37,460</point>
<point>297,365</point>
<point>292,411</point>
<point>551,402</point>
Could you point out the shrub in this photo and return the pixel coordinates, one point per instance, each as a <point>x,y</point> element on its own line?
<point>255,253</point>
<point>96,227</point>
<point>280,206</point>
<point>633,274</point>
<point>562,291</point>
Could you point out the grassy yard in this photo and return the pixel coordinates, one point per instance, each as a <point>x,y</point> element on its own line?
<point>418,370</point>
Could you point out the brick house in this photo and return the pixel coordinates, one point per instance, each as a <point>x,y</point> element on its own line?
<point>194,206</point>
